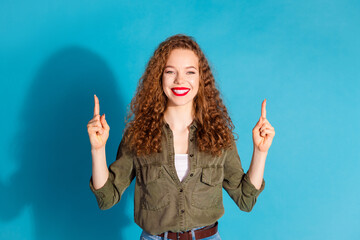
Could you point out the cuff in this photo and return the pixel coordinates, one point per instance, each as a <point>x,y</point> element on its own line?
<point>103,191</point>
<point>249,188</point>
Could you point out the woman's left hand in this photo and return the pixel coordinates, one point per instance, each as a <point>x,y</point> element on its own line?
<point>263,133</point>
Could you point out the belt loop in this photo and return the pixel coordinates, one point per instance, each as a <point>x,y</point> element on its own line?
<point>166,235</point>
<point>193,234</point>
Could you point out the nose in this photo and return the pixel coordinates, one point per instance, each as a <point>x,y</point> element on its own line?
<point>179,79</point>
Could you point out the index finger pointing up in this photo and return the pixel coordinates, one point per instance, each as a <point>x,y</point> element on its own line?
<point>97,106</point>
<point>263,109</point>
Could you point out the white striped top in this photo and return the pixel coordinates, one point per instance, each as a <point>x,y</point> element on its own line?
<point>182,165</point>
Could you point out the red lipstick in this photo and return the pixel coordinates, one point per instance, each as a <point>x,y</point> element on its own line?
<point>180,91</point>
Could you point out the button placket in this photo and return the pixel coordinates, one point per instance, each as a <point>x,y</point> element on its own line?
<point>191,151</point>
<point>172,157</point>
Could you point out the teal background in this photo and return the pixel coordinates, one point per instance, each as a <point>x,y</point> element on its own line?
<point>302,56</point>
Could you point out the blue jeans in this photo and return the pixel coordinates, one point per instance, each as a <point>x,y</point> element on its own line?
<point>147,236</point>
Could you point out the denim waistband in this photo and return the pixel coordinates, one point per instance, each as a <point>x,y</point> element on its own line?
<point>145,235</point>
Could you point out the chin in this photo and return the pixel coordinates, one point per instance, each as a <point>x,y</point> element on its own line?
<point>179,103</point>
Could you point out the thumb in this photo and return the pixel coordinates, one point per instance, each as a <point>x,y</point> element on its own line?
<point>259,123</point>
<point>104,122</point>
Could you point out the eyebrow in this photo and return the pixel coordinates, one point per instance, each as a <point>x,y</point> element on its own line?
<point>186,67</point>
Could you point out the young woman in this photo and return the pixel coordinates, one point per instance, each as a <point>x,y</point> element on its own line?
<point>178,143</point>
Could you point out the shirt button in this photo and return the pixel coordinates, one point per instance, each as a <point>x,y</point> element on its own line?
<point>191,155</point>
<point>191,175</point>
<point>191,139</point>
<point>181,190</point>
<point>182,211</point>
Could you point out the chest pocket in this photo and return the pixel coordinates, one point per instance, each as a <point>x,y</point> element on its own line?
<point>207,192</point>
<point>153,194</point>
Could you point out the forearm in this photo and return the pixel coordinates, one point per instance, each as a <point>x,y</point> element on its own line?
<point>100,172</point>
<point>257,166</point>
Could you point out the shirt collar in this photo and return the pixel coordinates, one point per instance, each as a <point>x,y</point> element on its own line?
<point>193,124</point>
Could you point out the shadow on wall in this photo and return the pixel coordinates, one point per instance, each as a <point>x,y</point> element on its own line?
<point>53,150</point>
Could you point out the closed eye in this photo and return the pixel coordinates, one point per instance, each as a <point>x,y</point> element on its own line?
<point>191,72</point>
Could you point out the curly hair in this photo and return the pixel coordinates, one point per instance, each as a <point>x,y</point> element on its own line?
<point>144,122</point>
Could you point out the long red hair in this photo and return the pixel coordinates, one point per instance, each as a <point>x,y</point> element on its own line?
<point>145,118</point>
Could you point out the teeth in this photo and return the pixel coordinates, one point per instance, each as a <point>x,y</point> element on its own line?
<point>180,91</point>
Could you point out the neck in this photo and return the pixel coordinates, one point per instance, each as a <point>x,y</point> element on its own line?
<point>179,117</point>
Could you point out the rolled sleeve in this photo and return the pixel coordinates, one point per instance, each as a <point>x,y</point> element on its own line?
<point>249,189</point>
<point>237,183</point>
<point>104,189</point>
<point>121,174</point>
<point>106,196</point>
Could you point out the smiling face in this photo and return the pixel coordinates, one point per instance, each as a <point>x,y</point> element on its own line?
<point>180,79</point>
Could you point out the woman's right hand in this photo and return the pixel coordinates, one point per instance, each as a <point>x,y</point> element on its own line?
<point>98,129</point>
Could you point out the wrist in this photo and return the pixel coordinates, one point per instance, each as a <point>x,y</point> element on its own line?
<point>258,152</point>
<point>96,151</point>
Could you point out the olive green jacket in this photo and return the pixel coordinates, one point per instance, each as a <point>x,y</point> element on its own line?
<point>162,202</point>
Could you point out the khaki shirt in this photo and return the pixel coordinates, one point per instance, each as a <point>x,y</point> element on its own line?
<point>162,202</point>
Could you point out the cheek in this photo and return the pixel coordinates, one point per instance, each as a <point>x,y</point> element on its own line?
<point>195,83</point>
<point>194,80</point>
<point>165,82</point>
